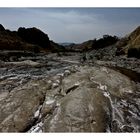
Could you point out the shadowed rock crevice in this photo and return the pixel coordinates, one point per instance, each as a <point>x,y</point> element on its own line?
<point>71,88</point>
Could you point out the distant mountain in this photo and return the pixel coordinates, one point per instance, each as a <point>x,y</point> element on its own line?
<point>83,46</point>
<point>66,44</point>
<point>56,47</point>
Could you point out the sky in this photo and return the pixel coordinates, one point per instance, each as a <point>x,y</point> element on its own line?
<point>73,24</point>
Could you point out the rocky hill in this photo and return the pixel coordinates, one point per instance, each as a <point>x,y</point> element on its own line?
<point>103,42</point>
<point>30,39</point>
<point>34,36</point>
<point>130,45</point>
<point>9,40</point>
<point>87,45</point>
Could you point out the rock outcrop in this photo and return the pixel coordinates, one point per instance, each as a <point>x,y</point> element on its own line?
<point>34,36</point>
<point>29,39</point>
<point>18,106</point>
<point>94,100</point>
<point>130,45</point>
<point>9,40</point>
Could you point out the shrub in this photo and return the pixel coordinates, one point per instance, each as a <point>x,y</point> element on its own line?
<point>107,40</point>
<point>134,52</point>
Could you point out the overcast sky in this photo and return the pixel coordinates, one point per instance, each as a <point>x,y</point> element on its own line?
<point>73,24</point>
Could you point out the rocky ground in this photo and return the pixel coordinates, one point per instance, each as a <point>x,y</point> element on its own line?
<point>60,92</point>
<point>107,57</point>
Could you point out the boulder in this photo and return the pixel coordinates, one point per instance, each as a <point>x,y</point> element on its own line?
<point>86,99</point>
<point>17,107</point>
<point>130,44</point>
<point>94,99</point>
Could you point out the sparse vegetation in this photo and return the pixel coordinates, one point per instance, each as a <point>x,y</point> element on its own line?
<point>134,52</point>
<point>107,40</point>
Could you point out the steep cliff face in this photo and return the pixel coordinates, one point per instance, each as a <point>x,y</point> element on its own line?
<point>130,45</point>
<point>135,38</point>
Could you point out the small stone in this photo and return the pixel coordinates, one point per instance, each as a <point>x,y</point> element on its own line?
<point>60,74</point>
<point>58,81</point>
<point>66,72</point>
<point>55,85</point>
<point>49,102</point>
<point>49,82</point>
<point>127,128</point>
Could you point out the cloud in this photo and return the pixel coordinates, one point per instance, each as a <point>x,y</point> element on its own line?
<point>70,24</point>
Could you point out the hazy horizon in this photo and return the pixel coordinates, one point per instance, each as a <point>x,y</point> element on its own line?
<point>73,24</point>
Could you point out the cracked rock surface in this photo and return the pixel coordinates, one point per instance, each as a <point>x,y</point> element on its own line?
<point>52,95</point>
<point>98,101</point>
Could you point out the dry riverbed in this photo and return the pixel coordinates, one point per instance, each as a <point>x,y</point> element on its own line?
<point>58,93</point>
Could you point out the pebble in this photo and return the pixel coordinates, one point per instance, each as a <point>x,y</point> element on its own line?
<point>60,74</point>
<point>66,72</point>
<point>54,85</point>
